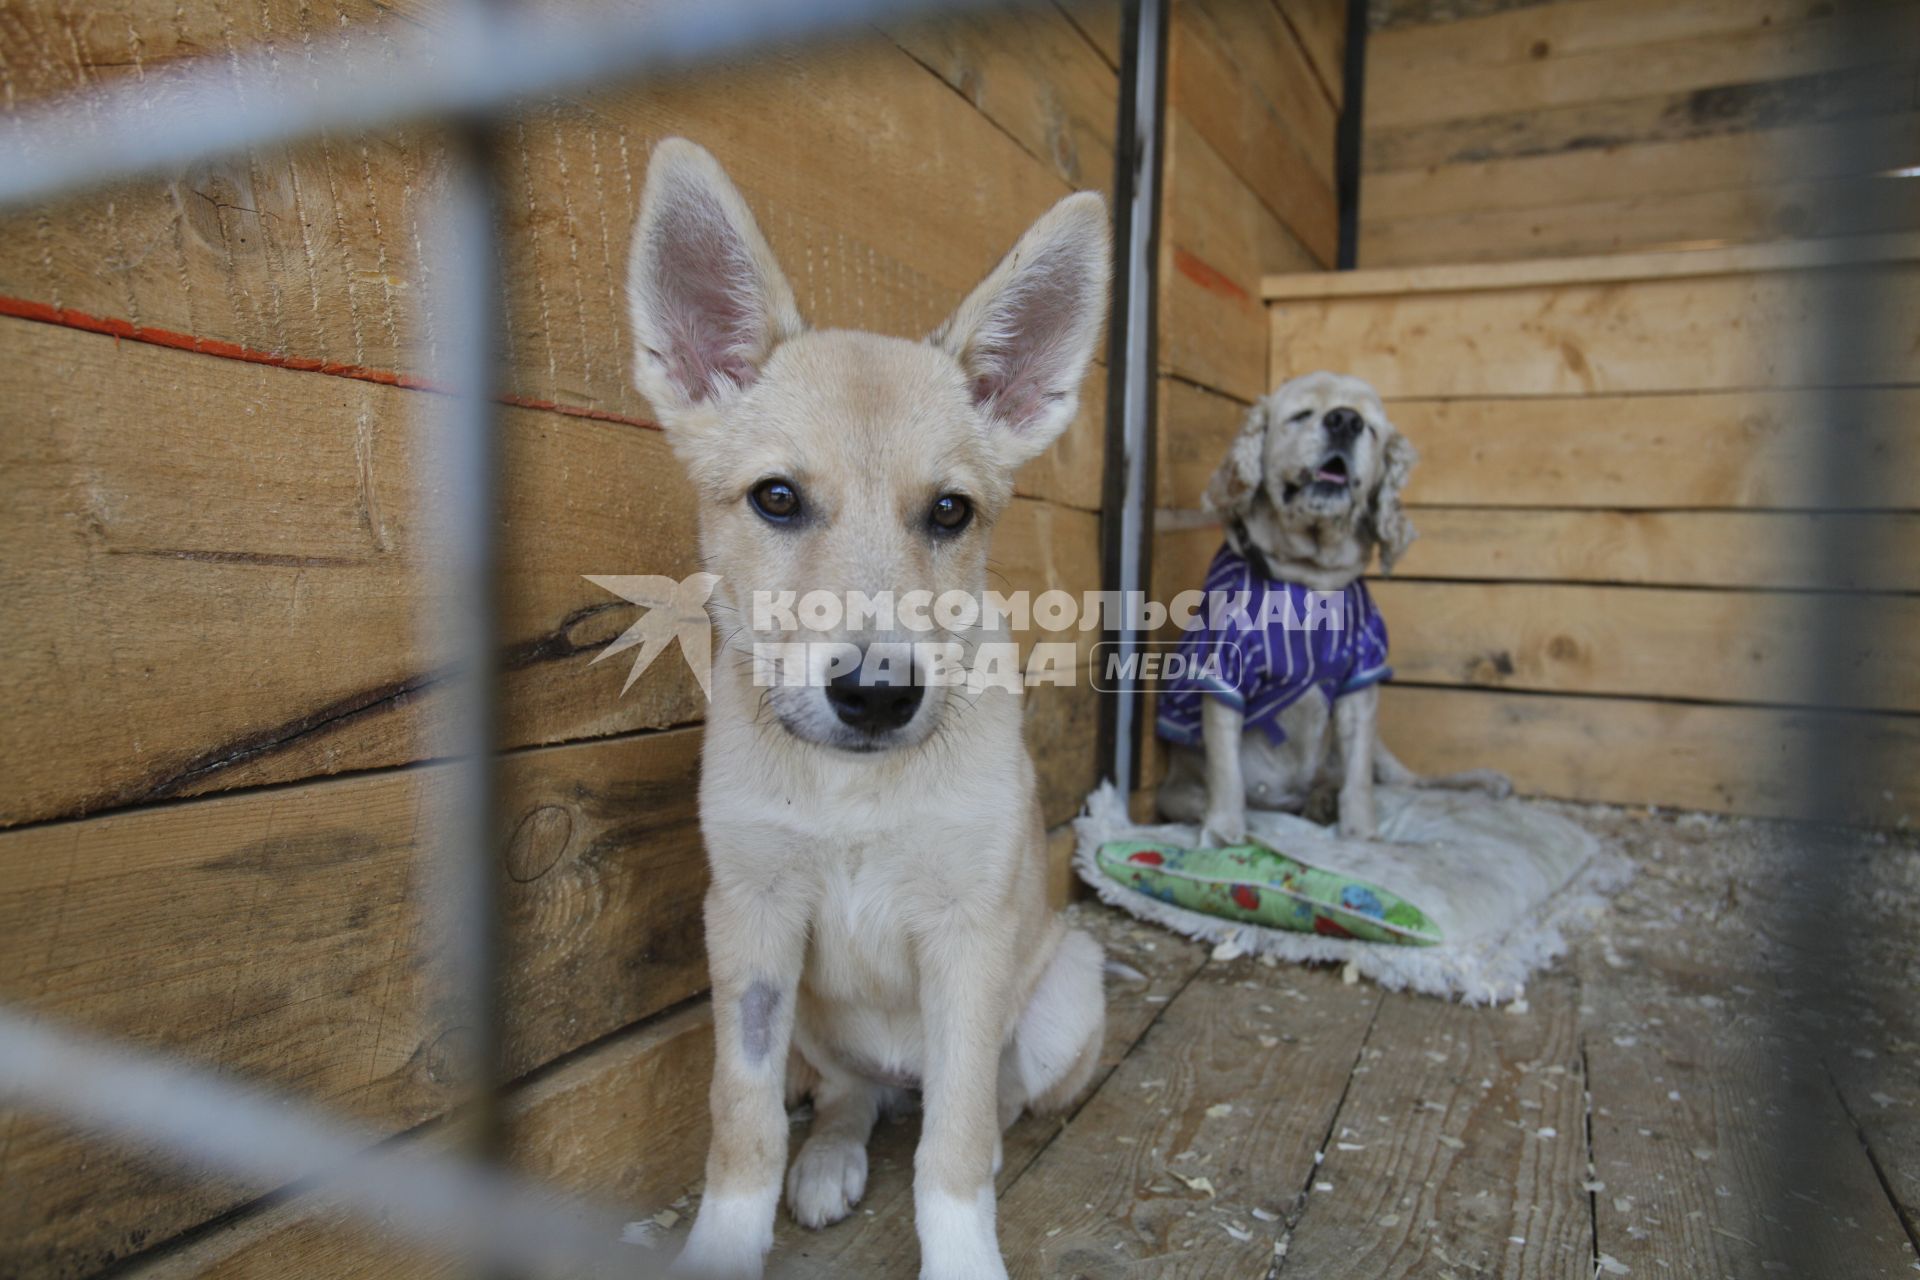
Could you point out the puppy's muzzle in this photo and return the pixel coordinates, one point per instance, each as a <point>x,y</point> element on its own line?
<point>875,699</point>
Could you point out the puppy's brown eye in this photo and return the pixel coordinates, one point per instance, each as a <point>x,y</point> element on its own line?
<point>776,500</point>
<point>950,513</point>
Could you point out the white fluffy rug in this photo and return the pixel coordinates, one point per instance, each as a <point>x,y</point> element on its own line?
<point>1502,880</point>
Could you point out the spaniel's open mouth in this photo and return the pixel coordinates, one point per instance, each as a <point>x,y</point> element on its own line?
<point>1333,472</point>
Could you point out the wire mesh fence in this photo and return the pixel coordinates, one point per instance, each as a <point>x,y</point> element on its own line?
<point>471,71</point>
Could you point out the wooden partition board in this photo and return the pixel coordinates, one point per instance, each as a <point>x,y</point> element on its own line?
<point>203,610</point>
<point>1197,426</point>
<point>1753,450</point>
<point>309,255</point>
<point>1585,52</point>
<point>623,1124</point>
<point>1247,175</point>
<point>1722,321</point>
<point>1641,752</point>
<point>1241,77</point>
<point>280,935</point>
<point>1620,507</point>
<point>1601,126</point>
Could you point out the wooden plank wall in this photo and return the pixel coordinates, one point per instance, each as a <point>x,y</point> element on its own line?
<point>214,792</point>
<point>1253,101</point>
<point>1615,583</point>
<point>1497,130</point>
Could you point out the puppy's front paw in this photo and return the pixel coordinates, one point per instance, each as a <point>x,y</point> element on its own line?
<point>983,1269</point>
<point>1357,825</point>
<point>1224,827</point>
<point>957,1240</point>
<point>729,1240</point>
<point>826,1181</point>
<point>707,1260</point>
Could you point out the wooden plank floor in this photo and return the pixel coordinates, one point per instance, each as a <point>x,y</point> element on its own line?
<point>1256,1120</point>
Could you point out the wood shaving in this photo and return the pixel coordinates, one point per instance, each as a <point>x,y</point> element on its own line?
<point>1201,1183</point>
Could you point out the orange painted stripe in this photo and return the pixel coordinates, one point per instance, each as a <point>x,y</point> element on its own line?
<point>115,327</point>
<point>576,411</point>
<point>1203,274</point>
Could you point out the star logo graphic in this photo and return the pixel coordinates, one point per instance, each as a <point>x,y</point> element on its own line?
<point>674,611</point>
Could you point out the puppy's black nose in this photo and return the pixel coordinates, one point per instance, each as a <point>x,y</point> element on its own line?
<point>1343,425</point>
<point>872,701</point>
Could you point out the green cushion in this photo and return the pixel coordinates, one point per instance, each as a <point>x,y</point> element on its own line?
<point>1259,885</point>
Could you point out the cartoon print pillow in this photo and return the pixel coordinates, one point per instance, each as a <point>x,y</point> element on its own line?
<point>1259,885</point>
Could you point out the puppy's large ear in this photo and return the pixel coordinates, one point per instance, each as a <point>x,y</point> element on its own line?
<point>707,301</point>
<point>1237,478</point>
<point>1026,332</point>
<point>1386,518</point>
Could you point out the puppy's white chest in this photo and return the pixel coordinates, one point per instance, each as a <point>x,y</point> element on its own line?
<point>862,976</point>
<point>860,952</point>
<point>880,855</point>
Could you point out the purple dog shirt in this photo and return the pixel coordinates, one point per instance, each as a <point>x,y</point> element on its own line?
<point>1260,645</point>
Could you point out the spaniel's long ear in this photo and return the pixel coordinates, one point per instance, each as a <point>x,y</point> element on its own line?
<point>1386,518</point>
<point>1025,334</point>
<point>707,301</point>
<point>1237,478</point>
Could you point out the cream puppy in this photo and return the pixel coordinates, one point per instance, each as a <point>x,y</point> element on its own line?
<point>878,908</point>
